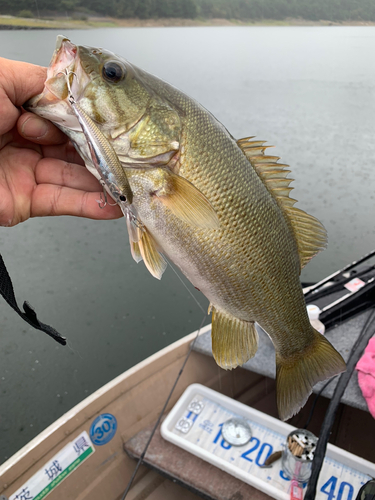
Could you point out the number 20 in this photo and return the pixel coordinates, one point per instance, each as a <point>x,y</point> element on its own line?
<point>264,446</point>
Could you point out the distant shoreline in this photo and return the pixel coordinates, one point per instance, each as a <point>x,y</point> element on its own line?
<point>17,23</point>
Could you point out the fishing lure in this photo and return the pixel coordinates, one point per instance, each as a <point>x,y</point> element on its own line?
<point>106,162</point>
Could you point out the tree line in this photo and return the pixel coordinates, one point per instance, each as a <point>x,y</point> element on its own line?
<point>314,10</point>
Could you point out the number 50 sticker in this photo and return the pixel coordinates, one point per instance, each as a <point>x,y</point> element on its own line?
<point>103,429</point>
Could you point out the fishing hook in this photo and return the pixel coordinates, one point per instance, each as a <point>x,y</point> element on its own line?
<point>67,73</point>
<point>134,220</point>
<point>102,203</point>
<point>106,200</point>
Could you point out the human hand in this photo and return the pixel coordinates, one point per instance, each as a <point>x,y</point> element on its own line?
<point>40,172</point>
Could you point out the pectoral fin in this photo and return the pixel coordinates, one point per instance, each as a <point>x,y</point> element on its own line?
<point>187,202</point>
<point>234,341</point>
<point>153,260</point>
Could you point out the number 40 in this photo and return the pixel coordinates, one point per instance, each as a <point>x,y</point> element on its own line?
<point>330,486</point>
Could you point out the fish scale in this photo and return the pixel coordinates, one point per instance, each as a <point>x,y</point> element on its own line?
<point>244,182</point>
<point>217,208</point>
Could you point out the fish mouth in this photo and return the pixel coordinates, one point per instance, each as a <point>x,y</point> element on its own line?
<point>52,102</point>
<point>63,59</point>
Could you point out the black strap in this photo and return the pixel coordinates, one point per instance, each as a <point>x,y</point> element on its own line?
<point>6,290</point>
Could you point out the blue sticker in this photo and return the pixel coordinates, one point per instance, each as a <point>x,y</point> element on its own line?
<point>103,429</point>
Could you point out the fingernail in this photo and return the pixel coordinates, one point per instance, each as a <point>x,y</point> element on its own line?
<point>34,127</point>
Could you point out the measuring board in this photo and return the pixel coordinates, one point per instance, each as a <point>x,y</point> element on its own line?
<point>195,423</point>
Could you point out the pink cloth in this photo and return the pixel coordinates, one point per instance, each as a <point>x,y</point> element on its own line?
<point>366,375</point>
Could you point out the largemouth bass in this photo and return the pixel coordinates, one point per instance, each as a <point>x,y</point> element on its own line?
<point>218,208</point>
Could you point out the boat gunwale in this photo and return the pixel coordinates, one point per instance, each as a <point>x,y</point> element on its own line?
<point>55,433</point>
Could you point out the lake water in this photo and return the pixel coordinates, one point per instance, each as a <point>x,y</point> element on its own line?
<point>310,91</point>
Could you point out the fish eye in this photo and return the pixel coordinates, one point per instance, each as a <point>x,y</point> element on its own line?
<point>113,72</point>
<point>122,198</point>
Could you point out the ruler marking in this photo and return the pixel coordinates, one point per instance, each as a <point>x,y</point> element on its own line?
<point>216,414</point>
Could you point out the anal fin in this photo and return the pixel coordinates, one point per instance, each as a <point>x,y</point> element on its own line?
<point>234,341</point>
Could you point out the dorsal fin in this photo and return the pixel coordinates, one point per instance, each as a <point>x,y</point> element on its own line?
<point>310,234</point>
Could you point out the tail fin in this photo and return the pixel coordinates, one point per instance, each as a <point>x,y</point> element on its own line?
<point>295,377</point>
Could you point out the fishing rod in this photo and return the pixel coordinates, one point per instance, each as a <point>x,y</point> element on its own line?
<point>349,297</point>
<point>310,289</point>
<point>337,285</point>
<point>366,333</point>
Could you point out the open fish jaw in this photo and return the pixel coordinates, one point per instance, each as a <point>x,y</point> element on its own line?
<point>51,103</point>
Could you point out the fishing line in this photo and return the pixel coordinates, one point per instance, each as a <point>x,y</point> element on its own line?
<point>74,351</point>
<point>317,396</point>
<point>140,460</point>
<point>187,288</point>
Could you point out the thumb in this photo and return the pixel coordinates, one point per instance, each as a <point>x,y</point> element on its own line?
<point>18,82</point>
<point>21,80</point>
